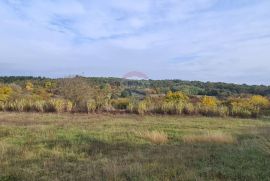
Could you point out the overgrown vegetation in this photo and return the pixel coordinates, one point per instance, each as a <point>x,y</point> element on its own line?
<point>166,146</point>
<point>90,95</point>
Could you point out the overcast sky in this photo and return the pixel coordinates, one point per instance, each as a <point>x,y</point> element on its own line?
<point>207,40</point>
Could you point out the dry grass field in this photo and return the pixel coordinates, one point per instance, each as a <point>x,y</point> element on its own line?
<point>130,147</point>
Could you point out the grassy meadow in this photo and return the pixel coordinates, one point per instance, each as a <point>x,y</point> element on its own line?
<point>38,146</point>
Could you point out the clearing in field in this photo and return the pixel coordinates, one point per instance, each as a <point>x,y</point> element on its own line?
<point>131,147</point>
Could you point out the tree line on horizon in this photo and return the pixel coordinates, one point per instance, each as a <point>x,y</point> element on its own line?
<point>89,95</point>
<point>161,86</point>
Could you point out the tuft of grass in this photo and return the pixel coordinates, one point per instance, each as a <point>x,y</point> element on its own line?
<point>218,137</point>
<point>155,137</point>
<point>3,149</point>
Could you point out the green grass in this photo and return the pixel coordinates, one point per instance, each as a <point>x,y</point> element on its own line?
<point>108,147</point>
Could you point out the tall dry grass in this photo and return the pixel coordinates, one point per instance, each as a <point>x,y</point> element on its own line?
<point>91,105</point>
<point>2,106</point>
<point>24,105</point>
<point>220,111</point>
<point>155,137</point>
<point>217,137</point>
<point>57,105</point>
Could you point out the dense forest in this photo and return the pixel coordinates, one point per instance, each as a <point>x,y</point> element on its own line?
<point>218,89</point>
<point>92,94</point>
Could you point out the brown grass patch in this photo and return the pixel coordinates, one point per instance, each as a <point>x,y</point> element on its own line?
<point>218,137</point>
<point>155,137</point>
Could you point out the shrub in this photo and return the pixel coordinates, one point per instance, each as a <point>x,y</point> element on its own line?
<point>154,104</point>
<point>209,101</point>
<point>240,112</point>
<point>24,105</point>
<point>244,108</point>
<point>208,106</point>
<point>55,105</point>
<point>179,108</point>
<point>20,105</point>
<point>222,111</point>
<point>167,107</point>
<point>103,97</point>
<point>38,106</point>
<point>131,107</point>
<point>49,107</point>
<point>121,103</point>
<point>106,107</point>
<point>69,106</point>
<point>91,106</point>
<point>11,106</point>
<point>176,97</point>
<point>126,93</point>
<point>5,93</point>
<point>142,107</point>
<point>103,103</point>
<point>172,107</point>
<point>76,89</point>
<point>259,101</point>
<point>2,105</point>
<point>48,85</point>
<point>29,86</point>
<point>189,109</point>
<point>27,105</point>
<point>206,111</point>
<point>80,106</point>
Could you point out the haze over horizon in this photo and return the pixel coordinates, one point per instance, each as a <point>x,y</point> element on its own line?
<point>205,40</point>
